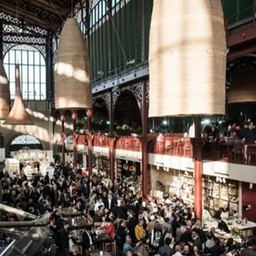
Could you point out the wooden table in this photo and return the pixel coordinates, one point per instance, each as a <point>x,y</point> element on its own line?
<point>246,230</point>
<point>70,211</point>
<point>100,240</point>
<point>98,253</point>
<point>251,150</point>
<point>78,223</point>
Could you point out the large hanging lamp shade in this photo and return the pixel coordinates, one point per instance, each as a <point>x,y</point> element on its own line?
<point>4,93</point>
<point>18,114</point>
<point>187,58</point>
<point>243,86</point>
<point>72,70</point>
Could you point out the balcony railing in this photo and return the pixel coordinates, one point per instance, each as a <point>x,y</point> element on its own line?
<point>175,145</point>
<point>129,143</point>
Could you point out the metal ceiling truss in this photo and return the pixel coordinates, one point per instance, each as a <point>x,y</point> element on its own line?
<point>26,27</point>
<point>46,14</point>
<point>8,46</point>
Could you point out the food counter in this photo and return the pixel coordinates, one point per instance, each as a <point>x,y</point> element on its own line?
<point>239,229</point>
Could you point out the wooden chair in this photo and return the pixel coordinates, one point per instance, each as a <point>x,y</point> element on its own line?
<point>110,246</point>
<point>238,152</point>
<point>168,147</point>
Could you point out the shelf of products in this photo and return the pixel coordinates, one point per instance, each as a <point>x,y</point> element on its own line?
<point>216,194</point>
<point>103,164</point>
<point>221,195</point>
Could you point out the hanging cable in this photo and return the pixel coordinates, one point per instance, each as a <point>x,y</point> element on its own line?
<point>72,9</point>
<point>115,30</point>
<point>56,10</point>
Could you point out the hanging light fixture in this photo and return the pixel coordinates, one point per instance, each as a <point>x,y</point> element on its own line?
<point>72,70</point>
<point>242,88</point>
<point>18,114</point>
<point>187,69</point>
<point>4,93</point>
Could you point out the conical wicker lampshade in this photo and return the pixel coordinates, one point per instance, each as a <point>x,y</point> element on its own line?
<point>187,58</point>
<point>18,114</point>
<point>243,86</point>
<point>72,70</point>
<point>4,93</point>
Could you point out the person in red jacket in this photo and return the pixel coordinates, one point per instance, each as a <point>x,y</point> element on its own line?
<point>108,228</point>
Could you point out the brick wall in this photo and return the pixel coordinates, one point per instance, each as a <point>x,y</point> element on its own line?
<point>249,198</point>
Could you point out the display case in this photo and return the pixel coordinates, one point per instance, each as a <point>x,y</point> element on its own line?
<point>103,164</point>
<point>12,166</point>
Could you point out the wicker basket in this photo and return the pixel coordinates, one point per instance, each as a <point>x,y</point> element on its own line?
<point>4,93</point>
<point>187,58</point>
<point>72,70</point>
<point>18,114</point>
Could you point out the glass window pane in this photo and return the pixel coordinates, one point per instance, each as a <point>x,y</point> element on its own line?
<point>32,69</point>
<point>24,73</point>
<point>12,73</point>
<point>12,90</point>
<point>37,58</point>
<point>37,72</point>
<point>17,56</point>
<point>43,75</point>
<point>31,57</point>
<point>31,73</point>
<point>24,55</point>
<point>37,92</point>
<point>11,57</point>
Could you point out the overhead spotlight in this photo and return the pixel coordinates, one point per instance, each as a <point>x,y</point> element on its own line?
<point>100,73</point>
<point>130,62</point>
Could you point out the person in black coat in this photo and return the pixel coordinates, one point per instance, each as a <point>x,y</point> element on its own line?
<point>217,249</point>
<point>121,234</point>
<point>88,242</point>
<point>109,202</point>
<point>249,251</point>
<point>222,225</point>
<point>130,224</point>
<point>64,239</point>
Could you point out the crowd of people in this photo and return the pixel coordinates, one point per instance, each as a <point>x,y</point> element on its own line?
<point>139,225</point>
<point>235,135</point>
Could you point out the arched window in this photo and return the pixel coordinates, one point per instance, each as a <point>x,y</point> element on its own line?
<point>25,140</point>
<point>32,70</point>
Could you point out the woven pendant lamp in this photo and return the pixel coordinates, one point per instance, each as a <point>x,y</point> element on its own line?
<point>243,86</point>
<point>4,93</point>
<point>18,114</point>
<point>72,70</point>
<point>187,58</point>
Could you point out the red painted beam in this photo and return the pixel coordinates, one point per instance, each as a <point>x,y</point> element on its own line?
<point>243,50</point>
<point>241,37</point>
